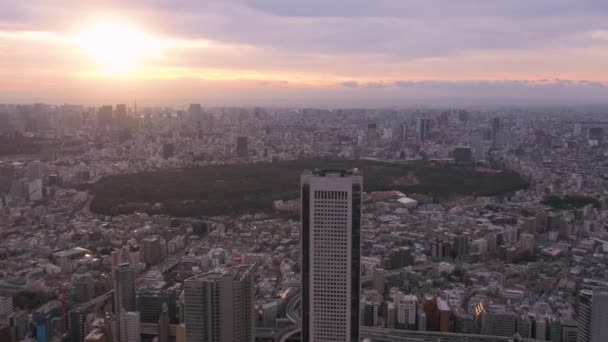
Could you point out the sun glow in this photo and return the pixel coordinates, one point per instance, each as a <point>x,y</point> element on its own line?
<point>117,47</point>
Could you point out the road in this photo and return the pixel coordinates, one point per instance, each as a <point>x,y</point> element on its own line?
<point>163,267</point>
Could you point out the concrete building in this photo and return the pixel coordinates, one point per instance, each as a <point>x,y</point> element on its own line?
<point>129,326</point>
<point>163,324</point>
<point>78,326</point>
<point>219,306</point>
<point>445,315</point>
<point>499,323</point>
<point>150,303</point>
<point>18,325</point>
<point>120,115</point>
<point>370,314</point>
<point>124,288</point>
<point>378,280</point>
<point>104,116</point>
<point>593,315</point>
<point>407,307</point>
<point>6,307</point>
<point>151,250</point>
<point>569,331</point>
<point>331,255</point>
<point>84,287</point>
<point>423,129</point>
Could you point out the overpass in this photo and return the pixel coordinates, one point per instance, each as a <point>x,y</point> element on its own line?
<point>163,267</point>
<point>382,334</point>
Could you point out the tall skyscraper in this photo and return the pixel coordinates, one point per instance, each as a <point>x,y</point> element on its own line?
<point>121,115</point>
<point>116,258</point>
<point>424,129</point>
<point>331,255</point>
<point>219,306</point>
<point>372,134</point>
<point>77,320</point>
<point>124,288</point>
<point>593,315</point>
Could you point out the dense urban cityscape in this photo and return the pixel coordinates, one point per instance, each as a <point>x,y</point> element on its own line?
<point>125,223</point>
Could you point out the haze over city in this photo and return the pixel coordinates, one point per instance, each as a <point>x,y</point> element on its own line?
<point>256,52</point>
<point>303,171</point>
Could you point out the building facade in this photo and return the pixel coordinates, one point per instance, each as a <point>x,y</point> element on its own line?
<point>331,255</point>
<point>124,288</point>
<point>219,306</point>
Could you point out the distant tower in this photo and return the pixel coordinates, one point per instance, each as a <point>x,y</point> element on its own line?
<point>424,129</point>
<point>219,306</point>
<point>495,126</point>
<point>121,115</point>
<point>242,147</point>
<point>372,134</point>
<point>331,255</point>
<point>124,288</point>
<point>104,116</point>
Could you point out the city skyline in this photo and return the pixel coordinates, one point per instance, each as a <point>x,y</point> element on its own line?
<point>314,54</point>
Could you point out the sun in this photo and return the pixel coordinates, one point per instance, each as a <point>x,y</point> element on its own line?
<point>117,47</point>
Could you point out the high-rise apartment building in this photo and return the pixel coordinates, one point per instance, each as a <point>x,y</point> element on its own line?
<point>124,288</point>
<point>129,326</point>
<point>151,250</point>
<point>331,255</point>
<point>593,315</point>
<point>84,287</point>
<point>219,306</point>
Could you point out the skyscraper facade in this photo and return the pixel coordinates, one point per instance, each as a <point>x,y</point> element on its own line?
<point>124,288</point>
<point>331,255</point>
<point>423,128</point>
<point>599,315</point>
<point>219,306</point>
<point>592,315</point>
<point>77,321</point>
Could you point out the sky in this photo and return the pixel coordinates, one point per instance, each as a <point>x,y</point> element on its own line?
<point>304,53</point>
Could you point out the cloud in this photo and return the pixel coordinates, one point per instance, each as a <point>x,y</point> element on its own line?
<point>349,84</point>
<point>356,47</point>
